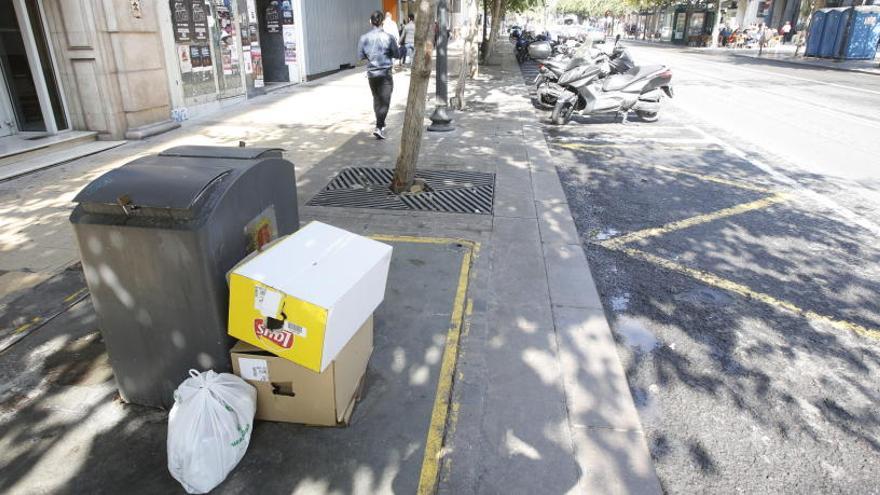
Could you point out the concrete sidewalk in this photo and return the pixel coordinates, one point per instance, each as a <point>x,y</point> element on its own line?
<point>538,403</point>
<point>862,66</point>
<point>782,54</point>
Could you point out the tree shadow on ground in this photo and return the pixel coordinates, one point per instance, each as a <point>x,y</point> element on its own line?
<point>746,369</point>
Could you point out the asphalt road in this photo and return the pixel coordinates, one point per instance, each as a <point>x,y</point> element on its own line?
<point>735,248</point>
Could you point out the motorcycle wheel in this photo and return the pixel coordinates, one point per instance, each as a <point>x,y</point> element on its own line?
<point>648,116</point>
<point>562,112</point>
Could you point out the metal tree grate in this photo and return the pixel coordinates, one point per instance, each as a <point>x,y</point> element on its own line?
<point>446,191</point>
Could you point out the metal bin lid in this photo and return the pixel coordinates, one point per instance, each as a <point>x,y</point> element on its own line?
<point>227,152</point>
<point>152,185</point>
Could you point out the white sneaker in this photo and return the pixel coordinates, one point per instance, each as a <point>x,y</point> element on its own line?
<point>379,133</point>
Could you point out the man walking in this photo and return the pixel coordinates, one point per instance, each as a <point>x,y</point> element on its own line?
<point>409,39</point>
<point>379,49</point>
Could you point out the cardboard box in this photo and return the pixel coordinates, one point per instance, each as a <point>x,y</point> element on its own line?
<point>291,393</point>
<point>305,296</point>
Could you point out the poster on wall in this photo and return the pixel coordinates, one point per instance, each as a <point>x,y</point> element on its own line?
<point>245,35</point>
<point>227,62</point>
<point>289,36</point>
<point>257,63</point>
<point>286,13</point>
<point>248,64</point>
<point>226,24</point>
<point>252,11</point>
<point>181,21</point>
<point>199,20</point>
<point>207,64</point>
<point>273,18</point>
<point>195,58</point>
<point>184,58</point>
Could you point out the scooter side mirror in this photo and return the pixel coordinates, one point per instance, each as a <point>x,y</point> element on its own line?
<point>617,39</point>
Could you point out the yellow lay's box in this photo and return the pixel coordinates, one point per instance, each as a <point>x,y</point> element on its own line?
<point>305,296</point>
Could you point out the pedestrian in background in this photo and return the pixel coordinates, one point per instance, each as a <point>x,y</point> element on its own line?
<point>725,35</point>
<point>390,27</point>
<point>408,40</point>
<point>785,31</point>
<point>380,49</point>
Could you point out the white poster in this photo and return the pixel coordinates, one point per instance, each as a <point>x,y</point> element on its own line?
<point>288,34</point>
<point>252,11</point>
<point>183,57</point>
<point>248,66</point>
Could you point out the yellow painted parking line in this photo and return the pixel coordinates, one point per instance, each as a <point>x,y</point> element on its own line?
<point>443,395</point>
<point>474,246</point>
<point>619,241</point>
<point>23,328</point>
<point>444,414</point>
<point>722,283</point>
<point>75,295</point>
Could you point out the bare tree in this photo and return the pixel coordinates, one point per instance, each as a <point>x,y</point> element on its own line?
<point>498,11</point>
<point>414,118</point>
<point>716,26</point>
<point>468,66</point>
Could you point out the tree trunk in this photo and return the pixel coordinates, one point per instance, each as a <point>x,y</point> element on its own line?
<point>420,76</point>
<point>485,40</point>
<point>467,56</point>
<point>497,12</point>
<point>716,29</point>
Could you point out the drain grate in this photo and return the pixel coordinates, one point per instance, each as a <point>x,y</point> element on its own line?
<point>446,191</point>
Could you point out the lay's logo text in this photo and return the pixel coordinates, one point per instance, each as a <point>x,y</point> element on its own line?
<point>281,337</point>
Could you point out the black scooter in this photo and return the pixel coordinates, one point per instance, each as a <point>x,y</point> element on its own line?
<point>588,91</point>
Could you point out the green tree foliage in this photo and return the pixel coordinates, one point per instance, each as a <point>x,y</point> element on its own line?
<point>594,8</point>
<point>523,5</point>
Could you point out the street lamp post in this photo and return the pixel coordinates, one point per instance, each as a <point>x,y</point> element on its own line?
<point>440,121</point>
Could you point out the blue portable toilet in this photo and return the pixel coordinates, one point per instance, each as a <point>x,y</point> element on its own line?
<point>817,27</point>
<point>863,34</point>
<point>834,33</point>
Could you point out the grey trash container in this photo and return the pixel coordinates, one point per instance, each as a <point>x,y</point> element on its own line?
<point>157,236</point>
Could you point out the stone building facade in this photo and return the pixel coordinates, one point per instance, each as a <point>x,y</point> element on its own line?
<point>134,68</point>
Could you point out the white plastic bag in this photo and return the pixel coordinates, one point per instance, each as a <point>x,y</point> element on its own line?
<point>209,428</point>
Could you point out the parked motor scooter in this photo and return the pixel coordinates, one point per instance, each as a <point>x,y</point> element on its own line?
<point>547,88</point>
<point>589,92</point>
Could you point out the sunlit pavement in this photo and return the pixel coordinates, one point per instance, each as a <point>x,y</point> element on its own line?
<point>735,249</point>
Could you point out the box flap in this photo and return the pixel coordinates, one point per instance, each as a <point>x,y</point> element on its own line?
<point>350,366</point>
<point>318,263</point>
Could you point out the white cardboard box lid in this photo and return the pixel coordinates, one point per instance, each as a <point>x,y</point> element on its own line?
<point>319,263</point>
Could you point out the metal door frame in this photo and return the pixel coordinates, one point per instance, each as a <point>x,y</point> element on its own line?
<point>6,110</point>
<point>30,46</point>
<point>53,62</point>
